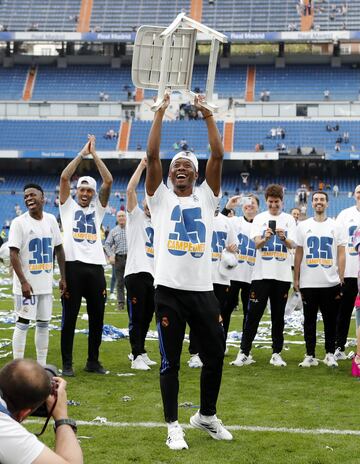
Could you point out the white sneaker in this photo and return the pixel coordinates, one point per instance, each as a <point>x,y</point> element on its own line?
<point>212,425</point>
<point>112,296</point>
<point>147,360</point>
<point>340,355</point>
<point>277,360</point>
<point>242,360</point>
<point>175,439</point>
<point>195,361</point>
<point>330,360</point>
<point>139,364</point>
<point>309,361</point>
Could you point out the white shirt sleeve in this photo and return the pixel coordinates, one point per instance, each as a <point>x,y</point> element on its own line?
<point>15,235</point>
<point>292,232</point>
<point>155,200</point>
<point>256,229</point>
<point>299,236</point>
<point>17,445</point>
<point>340,235</point>
<point>57,233</point>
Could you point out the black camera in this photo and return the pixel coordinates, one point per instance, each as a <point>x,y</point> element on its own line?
<point>52,372</point>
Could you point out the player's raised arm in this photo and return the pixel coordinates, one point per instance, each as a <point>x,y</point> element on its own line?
<point>154,169</point>
<point>105,189</point>
<point>214,164</point>
<point>69,171</point>
<point>131,197</point>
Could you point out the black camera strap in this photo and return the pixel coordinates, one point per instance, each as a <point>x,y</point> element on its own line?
<point>48,418</point>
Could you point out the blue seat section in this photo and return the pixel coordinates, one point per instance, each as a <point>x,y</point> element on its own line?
<point>308,82</point>
<point>12,82</point>
<point>194,132</point>
<point>15,183</point>
<point>126,15</point>
<point>76,83</point>
<point>54,135</point>
<point>252,16</point>
<point>48,15</point>
<point>303,133</point>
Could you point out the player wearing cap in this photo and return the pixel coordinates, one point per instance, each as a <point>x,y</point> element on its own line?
<point>348,219</point>
<point>318,273</point>
<point>84,256</point>
<point>182,217</point>
<point>139,272</point>
<point>33,238</point>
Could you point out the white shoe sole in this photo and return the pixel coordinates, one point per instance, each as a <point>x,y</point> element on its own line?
<point>212,434</point>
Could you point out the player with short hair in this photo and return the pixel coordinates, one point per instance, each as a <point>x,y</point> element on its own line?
<point>273,232</point>
<point>182,216</point>
<point>318,274</point>
<point>34,237</point>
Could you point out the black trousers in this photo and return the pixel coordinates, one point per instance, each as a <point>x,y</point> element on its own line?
<point>175,308</point>
<point>233,301</point>
<point>327,300</point>
<point>221,293</point>
<point>260,291</point>
<point>88,281</point>
<point>119,266</point>
<point>349,291</point>
<point>140,297</point>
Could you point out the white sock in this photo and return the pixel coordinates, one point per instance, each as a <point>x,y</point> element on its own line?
<point>19,339</point>
<point>206,418</point>
<point>171,425</point>
<point>41,341</point>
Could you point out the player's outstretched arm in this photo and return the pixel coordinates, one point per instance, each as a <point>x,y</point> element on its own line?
<point>131,197</point>
<point>154,169</point>
<point>299,253</point>
<point>69,171</point>
<point>214,164</point>
<point>107,178</point>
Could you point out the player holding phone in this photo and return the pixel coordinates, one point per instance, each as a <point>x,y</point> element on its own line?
<point>273,232</point>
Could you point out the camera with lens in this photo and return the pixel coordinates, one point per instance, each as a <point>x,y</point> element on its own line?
<point>52,372</point>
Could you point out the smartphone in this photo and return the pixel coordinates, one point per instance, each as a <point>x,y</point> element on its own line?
<point>246,201</point>
<point>272,225</point>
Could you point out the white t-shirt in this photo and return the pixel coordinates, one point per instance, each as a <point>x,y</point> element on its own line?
<point>35,240</point>
<point>273,260</point>
<point>183,229</point>
<point>17,445</point>
<point>222,236</point>
<point>81,226</point>
<point>319,240</point>
<point>349,220</point>
<point>247,251</point>
<point>140,242</point>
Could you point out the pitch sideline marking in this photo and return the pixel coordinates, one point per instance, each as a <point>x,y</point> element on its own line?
<point>246,428</point>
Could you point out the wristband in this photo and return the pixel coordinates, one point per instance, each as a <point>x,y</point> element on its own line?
<point>208,116</point>
<point>70,422</point>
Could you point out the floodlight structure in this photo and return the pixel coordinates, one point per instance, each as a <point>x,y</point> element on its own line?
<point>163,59</point>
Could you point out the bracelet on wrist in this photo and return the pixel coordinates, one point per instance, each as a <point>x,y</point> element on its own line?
<point>208,116</point>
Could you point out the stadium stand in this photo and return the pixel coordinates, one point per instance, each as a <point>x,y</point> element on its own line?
<point>42,15</point>
<point>79,83</point>
<point>58,135</point>
<point>127,15</point>
<point>308,82</point>
<point>85,82</point>
<point>54,135</point>
<point>12,81</point>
